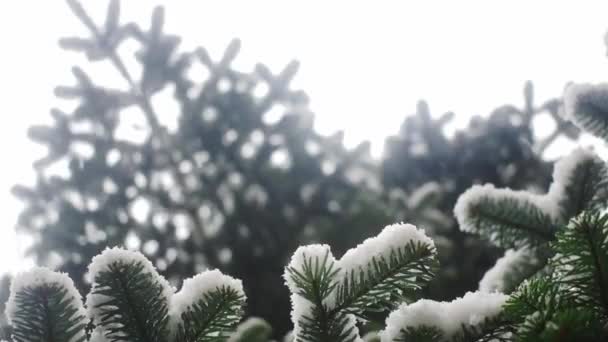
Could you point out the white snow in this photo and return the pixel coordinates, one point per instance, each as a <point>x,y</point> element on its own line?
<point>41,276</point>
<point>469,310</point>
<point>391,238</point>
<point>493,279</point>
<point>194,289</point>
<point>109,256</point>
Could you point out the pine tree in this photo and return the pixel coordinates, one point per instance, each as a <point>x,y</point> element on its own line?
<point>129,301</point>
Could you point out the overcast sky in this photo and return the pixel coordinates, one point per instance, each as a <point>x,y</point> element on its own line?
<point>364,64</point>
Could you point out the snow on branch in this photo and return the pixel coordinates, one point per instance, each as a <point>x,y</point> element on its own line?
<point>448,317</point>
<point>391,238</point>
<point>209,304</point>
<point>382,268</point>
<point>519,218</point>
<point>506,217</point>
<point>128,299</point>
<point>328,295</point>
<point>118,256</point>
<point>45,305</point>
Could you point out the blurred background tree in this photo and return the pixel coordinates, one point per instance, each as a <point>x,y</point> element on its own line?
<point>234,175</point>
<point>236,179</point>
<point>504,149</point>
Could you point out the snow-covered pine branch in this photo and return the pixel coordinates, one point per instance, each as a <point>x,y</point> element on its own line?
<point>129,301</point>
<point>45,306</point>
<point>508,218</point>
<point>328,295</point>
<point>516,219</point>
<point>443,321</point>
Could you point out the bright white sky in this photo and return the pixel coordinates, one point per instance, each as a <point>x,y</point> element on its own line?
<point>364,64</point>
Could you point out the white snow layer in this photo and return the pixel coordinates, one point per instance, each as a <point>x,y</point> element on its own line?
<point>547,203</point>
<point>41,276</point>
<point>109,256</point>
<point>391,238</point>
<point>449,317</point>
<point>493,279</point>
<point>194,289</point>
